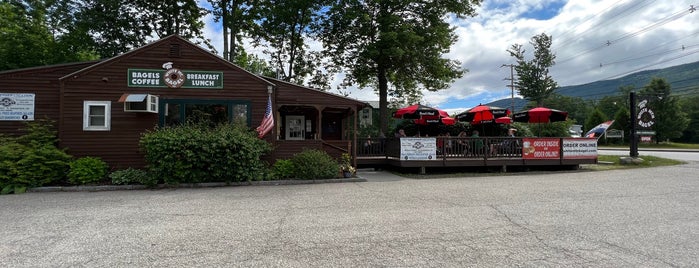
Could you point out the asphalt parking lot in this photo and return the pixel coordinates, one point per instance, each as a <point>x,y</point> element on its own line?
<point>622,218</point>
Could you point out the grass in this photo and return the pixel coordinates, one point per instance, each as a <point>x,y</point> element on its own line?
<point>663,145</point>
<point>606,162</point>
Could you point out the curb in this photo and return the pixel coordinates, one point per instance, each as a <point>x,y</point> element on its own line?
<point>101,188</point>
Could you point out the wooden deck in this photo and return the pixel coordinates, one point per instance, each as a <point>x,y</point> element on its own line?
<point>386,152</point>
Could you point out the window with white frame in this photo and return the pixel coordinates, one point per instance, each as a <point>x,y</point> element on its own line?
<point>97,115</point>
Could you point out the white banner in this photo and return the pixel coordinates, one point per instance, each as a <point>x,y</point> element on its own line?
<point>580,148</point>
<point>16,106</point>
<point>418,148</point>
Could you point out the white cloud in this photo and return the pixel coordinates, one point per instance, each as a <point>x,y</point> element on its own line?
<point>580,30</point>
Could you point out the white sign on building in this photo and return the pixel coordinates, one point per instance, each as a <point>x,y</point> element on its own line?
<point>418,148</point>
<point>16,106</point>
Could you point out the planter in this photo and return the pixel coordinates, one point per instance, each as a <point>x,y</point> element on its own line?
<point>346,174</point>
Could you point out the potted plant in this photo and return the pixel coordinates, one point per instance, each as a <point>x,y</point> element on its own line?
<point>346,165</point>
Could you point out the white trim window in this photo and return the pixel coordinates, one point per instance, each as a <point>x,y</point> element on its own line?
<point>97,115</point>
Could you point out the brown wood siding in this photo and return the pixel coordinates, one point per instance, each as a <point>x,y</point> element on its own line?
<point>119,146</point>
<point>43,82</point>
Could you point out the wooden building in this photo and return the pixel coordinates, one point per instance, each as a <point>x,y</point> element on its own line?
<point>102,107</point>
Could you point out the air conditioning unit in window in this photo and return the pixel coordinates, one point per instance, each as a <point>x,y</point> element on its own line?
<point>140,103</point>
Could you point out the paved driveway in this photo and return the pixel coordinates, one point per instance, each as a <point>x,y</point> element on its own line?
<point>628,218</point>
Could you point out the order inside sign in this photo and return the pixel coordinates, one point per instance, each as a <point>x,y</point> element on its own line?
<point>541,148</point>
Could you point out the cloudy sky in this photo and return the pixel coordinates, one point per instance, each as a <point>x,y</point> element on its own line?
<point>592,39</point>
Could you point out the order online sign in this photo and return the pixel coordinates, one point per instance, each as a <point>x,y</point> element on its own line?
<point>16,106</point>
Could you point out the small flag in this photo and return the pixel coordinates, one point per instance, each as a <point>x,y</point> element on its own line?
<point>600,129</point>
<point>268,121</point>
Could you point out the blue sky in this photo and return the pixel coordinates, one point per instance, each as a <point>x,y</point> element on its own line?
<point>644,37</point>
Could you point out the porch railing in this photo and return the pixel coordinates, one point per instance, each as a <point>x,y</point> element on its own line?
<point>447,147</point>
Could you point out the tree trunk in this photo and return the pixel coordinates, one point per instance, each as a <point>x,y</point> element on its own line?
<point>383,99</point>
<point>224,23</point>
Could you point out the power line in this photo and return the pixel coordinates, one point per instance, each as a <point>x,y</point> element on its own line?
<point>629,35</point>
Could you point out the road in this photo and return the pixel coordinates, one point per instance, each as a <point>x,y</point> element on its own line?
<point>621,218</point>
<point>684,155</point>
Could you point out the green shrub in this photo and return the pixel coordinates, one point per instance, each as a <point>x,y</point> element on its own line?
<point>87,170</point>
<point>133,176</point>
<point>314,164</point>
<point>283,169</point>
<point>31,160</point>
<point>193,153</point>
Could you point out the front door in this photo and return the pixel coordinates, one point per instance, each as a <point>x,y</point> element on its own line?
<point>294,127</point>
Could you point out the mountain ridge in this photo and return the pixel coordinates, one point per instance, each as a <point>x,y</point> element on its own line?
<point>683,78</point>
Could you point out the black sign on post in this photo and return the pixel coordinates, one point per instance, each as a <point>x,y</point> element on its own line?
<point>633,148</point>
<point>642,120</point>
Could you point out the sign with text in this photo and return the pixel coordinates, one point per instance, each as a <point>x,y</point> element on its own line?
<point>580,148</point>
<point>418,148</point>
<point>541,148</point>
<point>174,78</point>
<point>16,106</point>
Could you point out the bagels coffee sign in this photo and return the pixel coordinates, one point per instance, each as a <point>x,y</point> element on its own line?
<point>645,118</point>
<point>174,78</point>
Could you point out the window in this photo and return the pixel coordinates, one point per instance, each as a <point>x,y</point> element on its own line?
<point>97,115</point>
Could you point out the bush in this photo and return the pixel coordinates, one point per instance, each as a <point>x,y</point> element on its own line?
<point>31,160</point>
<point>314,164</point>
<point>133,176</point>
<point>283,169</point>
<point>87,170</point>
<point>193,153</point>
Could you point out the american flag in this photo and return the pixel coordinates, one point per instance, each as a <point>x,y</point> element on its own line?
<point>267,122</point>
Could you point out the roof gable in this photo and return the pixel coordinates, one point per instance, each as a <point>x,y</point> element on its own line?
<point>183,44</point>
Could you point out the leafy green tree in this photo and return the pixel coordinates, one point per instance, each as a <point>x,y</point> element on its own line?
<point>670,120</point>
<point>398,43</point>
<point>622,121</point>
<point>534,82</point>
<point>237,19</point>
<point>283,29</point>
<point>111,27</point>
<point>595,118</point>
<point>34,33</point>
<point>577,107</point>
<point>691,106</point>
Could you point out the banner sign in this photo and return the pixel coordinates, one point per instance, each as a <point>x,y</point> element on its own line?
<point>580,148</point>
<point>174,78</point>
<point>418,148</point>
<point>16,106</point>
<point>541,148</point>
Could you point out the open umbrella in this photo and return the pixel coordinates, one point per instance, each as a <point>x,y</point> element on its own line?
<point>482,114</point>
<point>503,120</point>
<point>540,115</point>
<point>443,120</point>
<point>419,111</point>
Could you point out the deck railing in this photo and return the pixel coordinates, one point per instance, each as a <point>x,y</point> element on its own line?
<point>447,147</point>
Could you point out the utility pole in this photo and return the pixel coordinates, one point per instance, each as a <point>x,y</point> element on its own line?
<point>512,85</point>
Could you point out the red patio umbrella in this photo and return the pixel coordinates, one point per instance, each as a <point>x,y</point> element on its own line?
<point>482,114</point>
<point>504,120</point>
<point>540,115</point>
<point>444,120</point>
<point>419,111</point>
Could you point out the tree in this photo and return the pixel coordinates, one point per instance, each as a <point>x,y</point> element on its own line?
<point>33,33</point>
<point>691,105</point>
<point>576,107</point>
<point>284,27</point>
<point>534,82</point>
<point>237,19</point>
<point>595,118</point>
<point>398,43</point>
<point>670,120</point>
<point>111,27</point>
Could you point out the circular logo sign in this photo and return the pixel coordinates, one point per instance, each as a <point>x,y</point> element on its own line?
<point>646,117</point>
<point>7,102</point>
<point>174,78</point>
